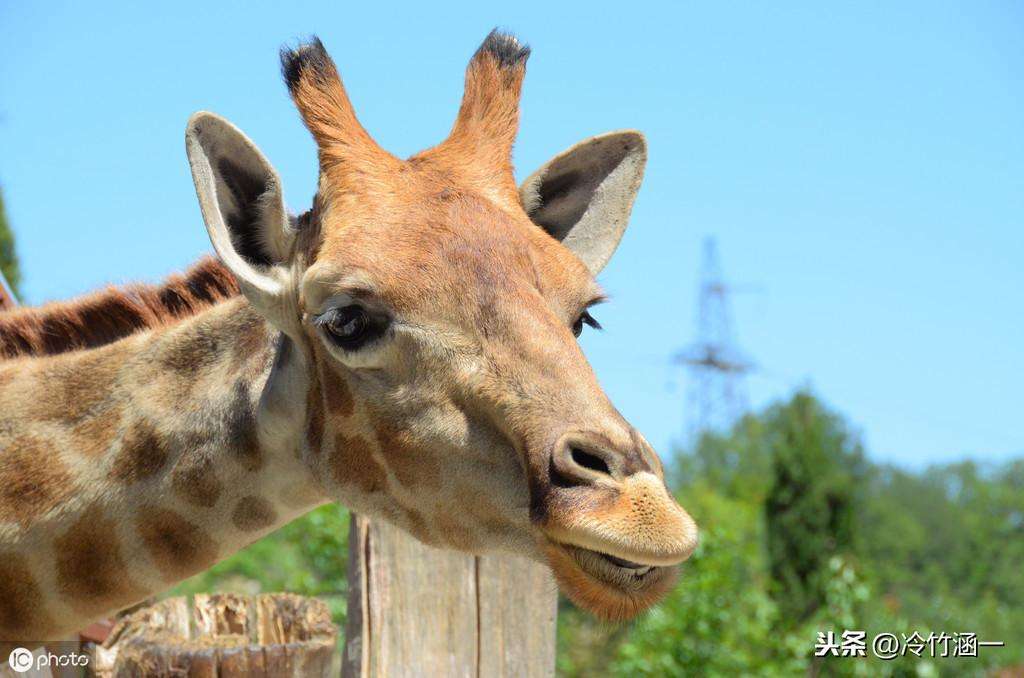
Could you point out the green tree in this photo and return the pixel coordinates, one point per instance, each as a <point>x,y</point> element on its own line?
<point>818,473</point>
<point>735,463</point>
<point>8,257</point>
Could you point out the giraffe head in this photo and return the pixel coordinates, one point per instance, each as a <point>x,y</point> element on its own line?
<point>431,306</point>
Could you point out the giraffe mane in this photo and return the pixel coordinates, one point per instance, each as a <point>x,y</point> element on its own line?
<point>104,316</point>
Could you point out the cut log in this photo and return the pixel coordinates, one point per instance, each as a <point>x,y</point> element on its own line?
<point>225,635</point>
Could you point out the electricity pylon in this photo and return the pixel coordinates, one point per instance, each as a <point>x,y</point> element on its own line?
<point>717,390</point>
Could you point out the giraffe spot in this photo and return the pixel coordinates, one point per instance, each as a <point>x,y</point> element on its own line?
<point>250,344</point>
<point>32,480</point>
<point>178,547</point>
<point>90,570</point>
<point>195,480</point>
<point>244,443</point>
<point>94,435</point>
<point>253,513</point>
<point>339,398</point>
<point>78,384</point>
<point>143,454</point>
<point>412,466</point>
<point>351,462</point>
<point>314,419</point>
<point>22,613</point>
<point>191,349</point>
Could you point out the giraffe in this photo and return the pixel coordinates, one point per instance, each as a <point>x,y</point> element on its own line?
<point>405,348</point>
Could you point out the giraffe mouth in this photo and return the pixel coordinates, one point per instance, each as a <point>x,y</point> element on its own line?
<point>598,562</point>
<point>610,587</point>
<point>636,568</point>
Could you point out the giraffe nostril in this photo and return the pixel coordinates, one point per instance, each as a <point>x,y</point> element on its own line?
<point>589,461</point>
<point>577,463</point>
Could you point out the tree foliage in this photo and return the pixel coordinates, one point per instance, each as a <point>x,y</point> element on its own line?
<point>817,471</point>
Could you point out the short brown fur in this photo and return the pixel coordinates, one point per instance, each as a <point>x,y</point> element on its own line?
<point>32,481</point>
<point>177,546</point>
<point>22,607</point>
<point>91,571</point>
<point>143,454</point>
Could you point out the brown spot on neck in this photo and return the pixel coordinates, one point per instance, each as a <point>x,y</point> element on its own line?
<point>78,385</point>
<point>351,463</point>
<point>195,479</point>
<point>243,440</point>
<point>22,611</point>
<point>90,569</point>
<point>251,346</point>
<point>194,349</point>
<point>253,513</point>
<point>143,454</point>
<point>178,547</point>
<point>32,480</point>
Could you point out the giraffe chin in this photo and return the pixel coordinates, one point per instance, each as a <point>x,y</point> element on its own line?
<point>609,588</point>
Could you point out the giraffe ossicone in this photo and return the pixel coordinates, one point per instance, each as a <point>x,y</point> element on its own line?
<point>406,348</point>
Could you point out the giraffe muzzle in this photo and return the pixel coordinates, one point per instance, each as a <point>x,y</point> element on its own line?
<point>612,499</point>
<point>613,534</point>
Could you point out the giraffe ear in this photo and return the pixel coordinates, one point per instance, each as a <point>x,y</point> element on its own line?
<point>584,195</point>
<point>241,201</point>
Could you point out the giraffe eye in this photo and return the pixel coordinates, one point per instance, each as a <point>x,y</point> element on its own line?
<point>584,319</point>
<point>351,327</point>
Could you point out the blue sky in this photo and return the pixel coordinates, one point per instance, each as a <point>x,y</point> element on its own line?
<point>863,164</point>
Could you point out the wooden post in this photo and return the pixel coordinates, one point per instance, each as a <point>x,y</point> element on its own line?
<point>418,611</point>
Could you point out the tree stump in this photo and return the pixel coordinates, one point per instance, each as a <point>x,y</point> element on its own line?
<point>227,635</point>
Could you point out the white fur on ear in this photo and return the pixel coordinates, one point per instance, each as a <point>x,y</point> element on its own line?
<point>584,195</point>
<point>243,206</point>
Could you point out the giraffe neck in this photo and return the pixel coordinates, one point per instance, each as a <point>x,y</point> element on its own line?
<point>127,468</point>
